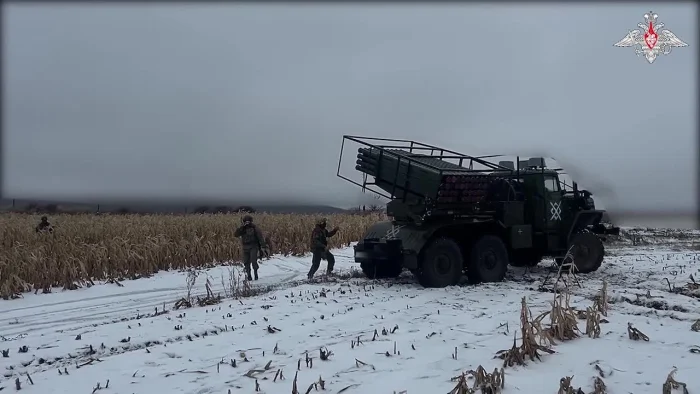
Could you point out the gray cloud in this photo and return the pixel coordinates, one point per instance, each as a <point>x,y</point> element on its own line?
<point>246,101</point>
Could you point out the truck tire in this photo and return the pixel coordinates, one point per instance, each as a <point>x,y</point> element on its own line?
<point>488,260</point>
<point>525,258</point>
<point>382,270</point>
<point>441,264</point>
<point>588,252</point>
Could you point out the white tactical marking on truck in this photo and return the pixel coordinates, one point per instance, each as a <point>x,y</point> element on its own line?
<point>555,210</point>
<point>393,231</point>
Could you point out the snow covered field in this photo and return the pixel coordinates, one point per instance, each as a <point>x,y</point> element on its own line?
<point>76,340</point>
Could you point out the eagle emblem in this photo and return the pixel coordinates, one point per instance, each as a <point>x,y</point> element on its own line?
<point>651,39</point>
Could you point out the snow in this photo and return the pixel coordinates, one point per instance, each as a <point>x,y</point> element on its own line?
<point>333,313</point>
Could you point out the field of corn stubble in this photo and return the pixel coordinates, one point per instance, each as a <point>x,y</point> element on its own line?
<point>88,247</point>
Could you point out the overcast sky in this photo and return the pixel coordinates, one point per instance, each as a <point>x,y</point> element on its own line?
<point>250,102</point>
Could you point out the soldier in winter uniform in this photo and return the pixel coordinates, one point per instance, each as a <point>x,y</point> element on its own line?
<point>44,226</point>
<point>253,242</point>
<point>319,247</point>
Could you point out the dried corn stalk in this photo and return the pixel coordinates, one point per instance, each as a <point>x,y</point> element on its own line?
<point>599,386</point>
<point>565,386</point>
<point>601,300</point>
<point>592,323</point>
<point>563,321</point>
<point>488,383</point>
<point>672,384</point>
<point>484,382</point>
<point>87,247</point>
<point>532,337</point>
<point>462,386</point>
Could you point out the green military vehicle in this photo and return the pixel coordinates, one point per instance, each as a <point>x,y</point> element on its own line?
<point>452,214</point>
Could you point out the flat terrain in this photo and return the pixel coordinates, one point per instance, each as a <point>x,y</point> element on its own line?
<point>78,339</point>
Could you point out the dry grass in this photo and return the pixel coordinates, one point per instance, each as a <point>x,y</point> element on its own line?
<point>87,247</point>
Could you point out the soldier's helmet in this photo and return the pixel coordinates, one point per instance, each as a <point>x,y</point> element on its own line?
<point>44,219</point>
<point>247,218</point>
<point>321,222</point>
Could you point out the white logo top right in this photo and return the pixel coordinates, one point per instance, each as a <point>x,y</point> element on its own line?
<point>651,39</point>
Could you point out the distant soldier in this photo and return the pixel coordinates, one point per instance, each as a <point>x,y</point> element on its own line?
<point>253,242</point>
<point>44,226</point>
<point>319,247</point>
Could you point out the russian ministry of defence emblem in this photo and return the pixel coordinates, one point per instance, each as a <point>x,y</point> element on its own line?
<point>651,39</point>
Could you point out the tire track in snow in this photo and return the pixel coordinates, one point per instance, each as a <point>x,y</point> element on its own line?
<point>79,314</point>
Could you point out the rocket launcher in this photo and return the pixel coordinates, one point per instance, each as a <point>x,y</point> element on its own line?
<point>410,176</point>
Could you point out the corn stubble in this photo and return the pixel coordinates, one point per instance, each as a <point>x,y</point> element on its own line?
<point>85,248</point>
<point>593,313</point>
<point>533,339</point>
<point>593,320</point>
<point>672,384</point>
<point>565,386</point>
<point>563,326</point>
<point>484,382</point>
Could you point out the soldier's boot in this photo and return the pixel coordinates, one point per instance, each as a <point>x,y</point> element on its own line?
<point>256,274</point>
<point>247,273</point>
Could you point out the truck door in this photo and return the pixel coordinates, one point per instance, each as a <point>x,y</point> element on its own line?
<point>553,210</point>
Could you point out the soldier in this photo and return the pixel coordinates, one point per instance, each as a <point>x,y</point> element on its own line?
<point>319,247</point>
<point>252,241</point>
<point>44,226</point>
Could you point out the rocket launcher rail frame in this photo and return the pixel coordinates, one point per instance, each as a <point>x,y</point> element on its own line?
<point>408,169</point>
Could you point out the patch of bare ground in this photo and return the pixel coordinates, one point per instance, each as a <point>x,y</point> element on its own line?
<point>657,304</point>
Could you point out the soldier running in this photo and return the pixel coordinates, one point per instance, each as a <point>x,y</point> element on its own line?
<point>252,241</point>
<point>319,247</point>
<point>44,226</point>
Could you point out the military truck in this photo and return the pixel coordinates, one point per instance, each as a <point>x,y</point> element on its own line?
<point>453,213</point>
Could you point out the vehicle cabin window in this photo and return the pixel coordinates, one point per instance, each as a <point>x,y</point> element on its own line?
<point>551,184</point>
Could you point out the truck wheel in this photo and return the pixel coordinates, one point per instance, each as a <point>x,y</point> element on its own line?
<point>588,252</point>
<point>489,260</point>
<point>442,264</point>
<point>525,258</point>
<point>381,271</point>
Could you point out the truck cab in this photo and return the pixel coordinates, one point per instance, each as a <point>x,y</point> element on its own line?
<point>543,200</point>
